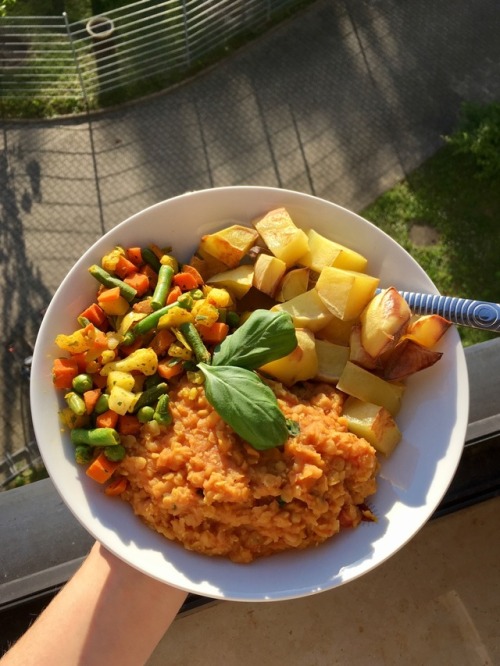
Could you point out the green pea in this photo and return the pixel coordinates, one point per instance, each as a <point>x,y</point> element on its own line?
<point>82,383</point>
<point>146,414</point>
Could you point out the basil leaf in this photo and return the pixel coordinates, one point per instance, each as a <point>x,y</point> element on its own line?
<point>265,336</point>
<point>246,404</point>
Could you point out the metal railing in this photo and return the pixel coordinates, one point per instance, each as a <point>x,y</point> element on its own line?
<point>48,56</point>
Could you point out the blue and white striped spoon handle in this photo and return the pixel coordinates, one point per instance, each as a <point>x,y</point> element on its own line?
<point>462,311</point>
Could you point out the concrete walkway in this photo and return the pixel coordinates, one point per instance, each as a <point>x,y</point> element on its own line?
<point>341,101</point>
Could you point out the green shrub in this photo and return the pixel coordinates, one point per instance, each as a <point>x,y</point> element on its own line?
<point>478,135</point>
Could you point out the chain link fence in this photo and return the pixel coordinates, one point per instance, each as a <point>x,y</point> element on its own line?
<point>342,101</point>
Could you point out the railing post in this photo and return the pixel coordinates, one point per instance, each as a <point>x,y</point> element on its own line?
<point>75,60</point>
<point>186,32</point>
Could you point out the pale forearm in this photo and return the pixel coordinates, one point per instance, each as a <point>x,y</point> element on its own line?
<point>108,613</point>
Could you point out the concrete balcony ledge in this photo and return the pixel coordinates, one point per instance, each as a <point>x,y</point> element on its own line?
<point>42,544</point>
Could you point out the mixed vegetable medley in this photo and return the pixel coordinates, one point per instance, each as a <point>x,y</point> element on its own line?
<point>271,298</point>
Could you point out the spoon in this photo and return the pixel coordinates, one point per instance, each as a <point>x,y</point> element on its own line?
<point>462,311</point>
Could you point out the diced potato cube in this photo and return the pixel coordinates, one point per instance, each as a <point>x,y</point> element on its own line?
<point>300,365</point>
<point>366,386</point>
<point>124,380</point>
<point>121,401</point>
<point>306,310</point>
<point>283,238</point>
<point>237,280</point>
<point>344,292</point>
<point>114,308</point>
<point>358,353</point>
<point>372,422</point>
<point>229,245</point>
<point>322,252</point>
<point>337,331</point>
<point>268,271</point>
<point>293,283</point>
<point>331,361</point>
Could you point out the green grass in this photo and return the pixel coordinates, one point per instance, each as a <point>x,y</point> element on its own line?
<point>454,195</point>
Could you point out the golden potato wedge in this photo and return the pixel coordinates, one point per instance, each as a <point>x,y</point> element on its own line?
<point>331,361</point>
<point>267,273</point>
<point>293,283</point>
<point>344,292</point>
<point>237,280</point>
<point>366,386</point>
<point>300,365</point>
<point>307,311</point>
<point>427,330</point>
<point>229,245</point>
<point>283,238</point>
<point>207,265</point>
<point>383,321</point>
<point>325,252</point>
<point>372,422</point>
<point>407,358</point>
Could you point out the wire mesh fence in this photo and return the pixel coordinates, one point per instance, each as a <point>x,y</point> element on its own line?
<point>146,41</point>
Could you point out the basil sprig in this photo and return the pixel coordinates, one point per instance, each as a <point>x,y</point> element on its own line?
<point>237,393</point>
<point>246,404</point>
<point>265,336</point>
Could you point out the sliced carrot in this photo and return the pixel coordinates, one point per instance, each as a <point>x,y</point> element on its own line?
<point>64,370</point>
<point>173,295</point>
<point>101,469</point>
<point>185,281</point>
<point>124,267</point>
<point>138,281</point>
<point>90,399</point>
<point>99,339</point>
<point>99,380</point>
<point>162,341</point>
<point>134,255</point>
<point>107,419</point>
<point>109,295</point>
<point>151,275</point>
<point>187,268</point>
<point>128,424</point>
<point>116,487</point>
<point>167,369</point>
<point>81,361</point>
<point>214,333</point>
<point>95,314</point>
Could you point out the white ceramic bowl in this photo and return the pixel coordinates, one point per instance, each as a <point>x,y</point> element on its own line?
<point>412,481</point>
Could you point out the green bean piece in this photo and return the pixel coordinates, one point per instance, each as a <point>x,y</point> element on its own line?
<point>162,413</point>
<point>152,380</point>
<point>95,436</point>
<point>83,321</point>
<point>83,454</point>
<point>165,276</point>
<point>189,331</point>
<point>151,259</point>
<point>150,396</point>
<point>102,276</point>
<point>146,414</point>
<point>82,383</point>
<point>76,403</point>
<point>197,294</point>
<point>115,453</point>
<point>147,324</point>
<point>102,404</point>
